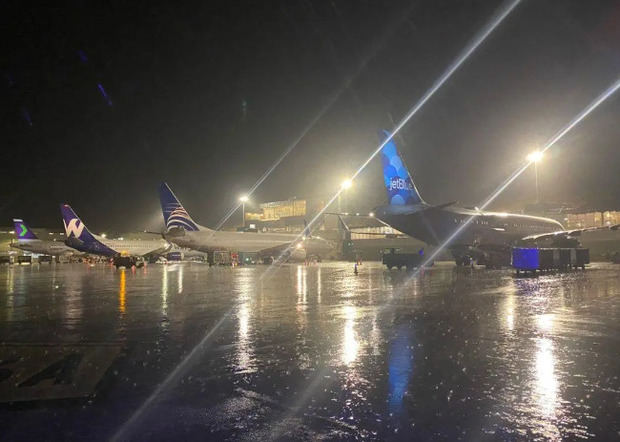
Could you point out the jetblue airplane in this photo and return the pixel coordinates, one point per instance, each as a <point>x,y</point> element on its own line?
<point>184,232</point>
<point>28,242</point>
<point>80,238</point>
<point>487,239</point>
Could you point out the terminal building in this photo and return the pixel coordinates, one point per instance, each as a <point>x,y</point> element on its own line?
<point>366,238</point>
<point>284,216</point>
<point>591,219</point>
<point>602,244</point>
<point>574,217</point>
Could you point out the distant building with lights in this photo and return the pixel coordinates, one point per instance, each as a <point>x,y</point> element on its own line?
<point>591,219</point>
<point>367,235</point>
<point>284,216</point>
<point>573,216</point>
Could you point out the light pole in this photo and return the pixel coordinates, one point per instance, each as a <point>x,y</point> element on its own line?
<point>535,157</point>
<point>346,184</point>
<point>243,199</point>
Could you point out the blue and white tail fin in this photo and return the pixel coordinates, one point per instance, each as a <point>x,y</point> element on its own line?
<point>174,213</point>
<point>22,231</point>
<point>74,227</point>
<point>398,182</point>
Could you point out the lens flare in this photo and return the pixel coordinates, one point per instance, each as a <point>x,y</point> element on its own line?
<point>390,29</point>
<point>125,431</point>
<point>460,59</point>
<point>463,56</point>
<point>535,156</point>
<point>104,94</point>
<point>281,158</point>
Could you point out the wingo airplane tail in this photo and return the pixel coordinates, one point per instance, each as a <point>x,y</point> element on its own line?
<point>79,237</point>
<point>398,182</point>
<point>74,227</point>
<point>22,231</point>
<point>174,213</point>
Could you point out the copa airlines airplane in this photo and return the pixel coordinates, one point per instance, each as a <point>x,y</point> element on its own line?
<point>488,238</point>
<point>28,242</point>
<point>184,232</point>
<point>80,238</point>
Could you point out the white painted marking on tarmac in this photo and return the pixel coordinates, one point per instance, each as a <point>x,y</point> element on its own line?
<point>30,372</point>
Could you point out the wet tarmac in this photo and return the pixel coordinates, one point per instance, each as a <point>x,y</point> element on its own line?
<point>189,352</point>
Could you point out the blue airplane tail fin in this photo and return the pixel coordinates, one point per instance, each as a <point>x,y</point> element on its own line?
<point>22,231</point>
<point>398,182</point>
<point>174,213</point>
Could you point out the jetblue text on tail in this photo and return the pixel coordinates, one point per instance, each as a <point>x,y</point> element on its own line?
<point>398,183</point>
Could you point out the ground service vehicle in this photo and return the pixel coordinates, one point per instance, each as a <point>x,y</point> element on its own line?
<point>127,261</point>
<point>394,259</point>
<point>24,259</point>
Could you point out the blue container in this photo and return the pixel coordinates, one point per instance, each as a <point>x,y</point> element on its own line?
<point>174,256</point>
<point>526,258</point>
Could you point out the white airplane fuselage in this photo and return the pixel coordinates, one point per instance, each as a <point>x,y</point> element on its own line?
<point>211,240</point>
<point>42,247</point>
<point>113,247</point>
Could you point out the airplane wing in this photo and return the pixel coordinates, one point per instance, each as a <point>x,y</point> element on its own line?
<point>562,234</point>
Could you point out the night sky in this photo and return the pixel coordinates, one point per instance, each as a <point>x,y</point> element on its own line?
<point>100,103</point>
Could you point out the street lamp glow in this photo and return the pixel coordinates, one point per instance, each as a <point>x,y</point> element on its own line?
<point>103,235</point>
<point>535,156</point>
<point>243,199</point>
<point>346,184</point>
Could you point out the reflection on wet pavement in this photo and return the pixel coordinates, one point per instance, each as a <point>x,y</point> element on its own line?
<point>315,352</point>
